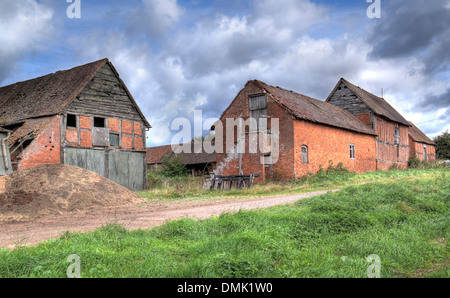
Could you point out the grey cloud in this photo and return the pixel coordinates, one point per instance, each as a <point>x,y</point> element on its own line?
<point>26,25</point>
<point>415,28</point>
<point>434,102</point>
<point>153,18</point>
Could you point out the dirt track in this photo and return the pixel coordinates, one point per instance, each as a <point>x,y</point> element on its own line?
<point>144,216</point>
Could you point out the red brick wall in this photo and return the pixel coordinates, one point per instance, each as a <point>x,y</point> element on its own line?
<point>325,143</point>
<point>45,149</point>
<point>328,144</point>
<point>114,125</point>
<point>416,149</point>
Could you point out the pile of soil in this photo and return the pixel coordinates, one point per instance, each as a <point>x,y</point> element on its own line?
<point>58,189</point>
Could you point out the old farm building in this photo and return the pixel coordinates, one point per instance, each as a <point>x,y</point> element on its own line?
<point>420,145</point>
<point>84,116</point>
<point>197,162</point>
<point>311,134</point>
<point>392,142</point>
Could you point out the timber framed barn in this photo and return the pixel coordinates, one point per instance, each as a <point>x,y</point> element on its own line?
<point>311,135</point>
<point>392,141</point>
<point>420,145</point>
<point>84,117</point>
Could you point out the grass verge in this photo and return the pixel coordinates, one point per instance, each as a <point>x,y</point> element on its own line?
<point>402,218</point>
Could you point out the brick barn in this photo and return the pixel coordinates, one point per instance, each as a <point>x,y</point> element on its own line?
<point>312,134</point>
<point>392,142</point>
<point>84,116</point>
<point>420,145</point>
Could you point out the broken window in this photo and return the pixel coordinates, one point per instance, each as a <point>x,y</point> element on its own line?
<point>352,151</point>
<point>71,121</point>
<point>304,154</point>
<point>99,122</point>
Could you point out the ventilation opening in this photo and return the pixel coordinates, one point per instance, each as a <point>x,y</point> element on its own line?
<point>99,122</point>
<point>71,121</point>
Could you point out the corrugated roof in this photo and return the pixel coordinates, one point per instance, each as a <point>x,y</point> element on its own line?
<point>47,95</point>
<point>377,104</point>
<point>418,136</point>
<point>314,110</point>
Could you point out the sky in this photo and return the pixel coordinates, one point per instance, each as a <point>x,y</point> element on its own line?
<point>179,56</point>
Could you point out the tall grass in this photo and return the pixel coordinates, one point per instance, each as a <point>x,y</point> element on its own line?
<point>405,222</point>
<point>162,187</point>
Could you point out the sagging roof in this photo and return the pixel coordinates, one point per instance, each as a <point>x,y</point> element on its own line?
<point>377,104</point>
<point>4,130</point>
<point>314,110</point>
<point>418,136</point>
<point>155,155</point>
<point>50,94</point>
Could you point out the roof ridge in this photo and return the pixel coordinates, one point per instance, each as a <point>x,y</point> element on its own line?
<point>53,73</point>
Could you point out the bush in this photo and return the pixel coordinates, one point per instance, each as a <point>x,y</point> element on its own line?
<point>414,162</point>
<point>173,167</point>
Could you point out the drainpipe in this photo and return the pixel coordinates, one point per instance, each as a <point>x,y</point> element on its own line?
<point>5,157</point>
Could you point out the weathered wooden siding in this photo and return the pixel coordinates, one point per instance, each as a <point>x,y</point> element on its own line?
<point>105,96</point>
<point>126,168</point>
<point>346,99</point>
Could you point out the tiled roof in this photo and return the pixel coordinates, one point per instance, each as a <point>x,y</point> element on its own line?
<point>314,110</point>
<point>47,95</point>
<point>377,104</point>
<point>418,136</point>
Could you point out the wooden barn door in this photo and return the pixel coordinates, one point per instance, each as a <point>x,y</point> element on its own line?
<point>124,168</point>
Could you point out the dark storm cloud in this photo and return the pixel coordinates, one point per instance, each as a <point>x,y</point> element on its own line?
<point>435,102</point>
<point>419,28</point>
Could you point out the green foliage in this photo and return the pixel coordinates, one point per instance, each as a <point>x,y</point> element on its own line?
<point>331,175</point>
<point>413,162</point>
<point>172,166</point>
<point>443,146</point>
<point>416,163</point>
<point>403,219</point>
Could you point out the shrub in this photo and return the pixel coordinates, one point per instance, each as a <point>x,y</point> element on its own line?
<point>413,162</point>
<point>173,167</point>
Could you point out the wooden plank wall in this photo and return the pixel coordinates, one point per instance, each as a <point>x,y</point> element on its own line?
<point>105,96</point>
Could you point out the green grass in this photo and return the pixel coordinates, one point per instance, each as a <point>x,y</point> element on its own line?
<point>403,217</point>
<point>333,177</point>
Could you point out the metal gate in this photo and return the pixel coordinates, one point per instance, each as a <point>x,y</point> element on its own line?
<point>123,167</point>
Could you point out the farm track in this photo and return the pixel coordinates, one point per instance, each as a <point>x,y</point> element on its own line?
<point>145,216</point>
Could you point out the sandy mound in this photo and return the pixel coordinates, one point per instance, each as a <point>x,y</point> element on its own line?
<point>58,189</point>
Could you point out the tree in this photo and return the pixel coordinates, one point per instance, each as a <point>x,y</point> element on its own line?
<point>443,146</point>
